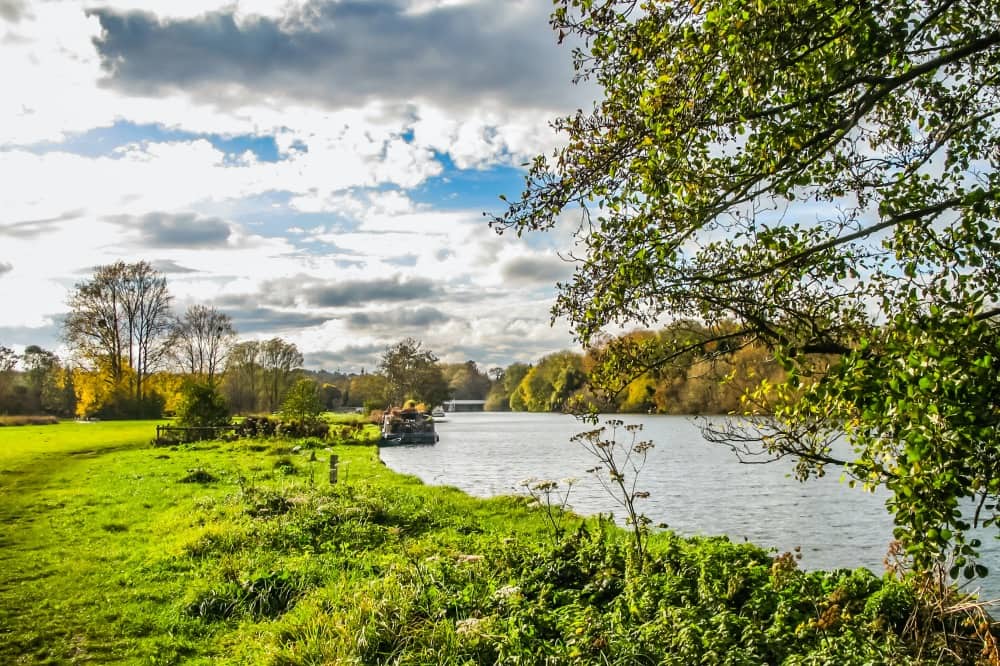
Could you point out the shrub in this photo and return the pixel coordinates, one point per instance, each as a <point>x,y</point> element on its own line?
<point>256,426</point>
<point>202,406</point>
<point>297,429</point>
<point>893,604</point>
<point>285,465</point>
<point>199,475</point>
<point>27,420</point>
<point>262,426</point>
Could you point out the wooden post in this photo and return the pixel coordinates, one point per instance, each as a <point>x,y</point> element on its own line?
<point>333,468</point>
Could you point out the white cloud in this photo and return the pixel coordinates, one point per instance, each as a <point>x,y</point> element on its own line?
<point>349,165</point>
<point>49,74</point>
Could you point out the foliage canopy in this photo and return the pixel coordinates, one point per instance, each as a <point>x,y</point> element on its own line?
<point>202,405</point>
<point>412,372</point>
<point>823,175</point>
<point>302,402</point>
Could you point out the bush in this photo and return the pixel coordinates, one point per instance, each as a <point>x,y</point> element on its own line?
<point>264,596</point>
<point>27,420</point>
<point>202,406</point>
<point>199,475</point>
<point>297,429</point>
<point>256,426</point>
<point>262,426</point>
<point>123,406</point>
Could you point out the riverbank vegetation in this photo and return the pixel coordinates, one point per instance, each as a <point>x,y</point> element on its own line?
<point>240,552</point>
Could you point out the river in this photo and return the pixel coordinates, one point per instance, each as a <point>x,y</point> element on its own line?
<point>695,487</point>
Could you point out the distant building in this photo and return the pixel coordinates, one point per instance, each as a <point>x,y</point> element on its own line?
<point>464,405</point>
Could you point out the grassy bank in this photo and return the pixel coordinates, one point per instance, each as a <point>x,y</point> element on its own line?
<point>115,552</point>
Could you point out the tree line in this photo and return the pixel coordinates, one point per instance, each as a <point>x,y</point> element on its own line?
<point>130,355</point>
<point>132,358</point>
<point>713,380</point>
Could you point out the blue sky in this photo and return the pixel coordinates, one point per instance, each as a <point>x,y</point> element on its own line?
<point>317,169</point>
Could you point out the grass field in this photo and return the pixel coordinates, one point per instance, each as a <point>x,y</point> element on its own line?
<point>107,544</point>
<point>113,551</point>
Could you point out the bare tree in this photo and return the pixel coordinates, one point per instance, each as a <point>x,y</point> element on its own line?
<point>94,326</point>
<point>119,320</point>
<point>202,339</point>
<point>147,314</point>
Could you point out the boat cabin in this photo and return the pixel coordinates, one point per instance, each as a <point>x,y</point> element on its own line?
<point>407,426</point>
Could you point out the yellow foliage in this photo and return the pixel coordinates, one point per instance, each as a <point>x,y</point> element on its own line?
<point>639,395</point>
<point>167,385</point>
<point>92,390</point>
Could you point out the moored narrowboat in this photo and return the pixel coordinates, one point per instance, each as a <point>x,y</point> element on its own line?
<point>407,426</point>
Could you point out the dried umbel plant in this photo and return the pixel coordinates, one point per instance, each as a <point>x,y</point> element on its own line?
<point>553,497</point>
<point>621,457</point>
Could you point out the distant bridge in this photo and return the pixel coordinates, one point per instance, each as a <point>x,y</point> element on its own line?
<point>464,405</point>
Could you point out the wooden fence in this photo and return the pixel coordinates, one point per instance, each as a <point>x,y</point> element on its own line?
<point>167,434</point>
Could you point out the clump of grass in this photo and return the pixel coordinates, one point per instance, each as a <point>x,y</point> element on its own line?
<point>265,504</point>
<point>285,465</point>
<point>199,475</point>
<point>216,541</point>
<point>264,596</point>
<point>27,420</point>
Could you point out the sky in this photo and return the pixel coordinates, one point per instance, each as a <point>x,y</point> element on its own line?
<point>318,170</point>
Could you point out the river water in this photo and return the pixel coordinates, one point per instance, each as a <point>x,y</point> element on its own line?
<point>695,487</point>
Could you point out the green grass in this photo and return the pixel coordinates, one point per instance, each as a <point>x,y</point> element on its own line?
<point>107,542</point>
<point>115,552</point>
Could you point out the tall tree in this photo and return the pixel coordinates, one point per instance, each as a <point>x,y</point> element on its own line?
<point>824,175</point>
<point>58,394</point>
<point>40,368</point>
<point>244,376</point>
<point>504,395</point>
<point>279,360</point>
<point>147,318</point>
<point>8,361</point>
<point>412,372</point>
<point>203,337</point>
<point>302,404</point>
<point>120,319</point>
<point>547,386</point>
<point>366,389</point>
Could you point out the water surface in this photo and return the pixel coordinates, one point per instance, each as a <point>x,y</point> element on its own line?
<point>695,487</point>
